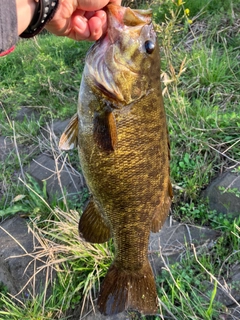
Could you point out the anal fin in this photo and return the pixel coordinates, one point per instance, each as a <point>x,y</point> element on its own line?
<point>92,226</point>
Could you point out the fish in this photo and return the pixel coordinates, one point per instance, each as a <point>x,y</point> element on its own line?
<point>120,129</point>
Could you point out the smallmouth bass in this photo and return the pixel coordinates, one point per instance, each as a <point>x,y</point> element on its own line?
<point>121,132</point>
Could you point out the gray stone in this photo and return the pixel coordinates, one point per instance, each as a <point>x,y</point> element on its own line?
<point>59,126</point>
<point>6,277</point>
<point>60,178</point>
<point>53,130</point>
<point>227,200</point>
<point>173,240</point>
<point>27,112</point>
<point>230,288</point>
<point>91,312</point>
<point>234,313</point>
<point>6,148</point>
<point>96,315</point>
<point>17,264</point>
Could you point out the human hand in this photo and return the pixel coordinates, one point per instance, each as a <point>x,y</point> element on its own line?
<point>80,19</point>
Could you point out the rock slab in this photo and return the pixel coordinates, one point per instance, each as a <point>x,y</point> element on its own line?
<point>17,265</point>
<point>173,240</point>
<point>224,194</point>
<point>61,180</point>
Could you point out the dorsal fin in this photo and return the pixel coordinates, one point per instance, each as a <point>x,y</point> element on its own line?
<point>69,137</point>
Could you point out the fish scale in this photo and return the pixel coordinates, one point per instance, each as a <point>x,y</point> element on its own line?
<point>122,137</point>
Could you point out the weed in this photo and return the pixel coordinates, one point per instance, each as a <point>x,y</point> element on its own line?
<point>182,289</point>
<point>80,265</point>
<point>35,308</point>
<point>234,191</point>
<point>33,203</point>
<point>45,72</point>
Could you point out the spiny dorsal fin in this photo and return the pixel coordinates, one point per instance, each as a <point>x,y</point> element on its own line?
<point>105,131</point>
<point>92,226</point>
<point>69,138</point>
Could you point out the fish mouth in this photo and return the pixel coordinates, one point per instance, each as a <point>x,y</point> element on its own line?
<point>129,17</point>
<point>111,68</point>
<point>120,18</point>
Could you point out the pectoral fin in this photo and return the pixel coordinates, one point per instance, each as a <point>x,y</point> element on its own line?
<point>69,138</point>
<point>92,226</point>
<point>105,130</point>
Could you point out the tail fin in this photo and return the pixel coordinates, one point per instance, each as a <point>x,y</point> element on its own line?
<point>123,289</point>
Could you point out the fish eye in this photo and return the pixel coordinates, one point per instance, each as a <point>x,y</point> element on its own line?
<point>149,46</point>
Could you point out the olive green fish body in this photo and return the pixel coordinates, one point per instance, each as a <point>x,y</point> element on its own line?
<point>128,183</point>
<point>124,155</point>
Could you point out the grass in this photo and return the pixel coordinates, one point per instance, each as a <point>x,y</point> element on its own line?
<point>45,73</point>
<point>199,48</point>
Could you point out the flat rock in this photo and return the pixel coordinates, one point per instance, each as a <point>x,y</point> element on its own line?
<point>230,288</point>
<point>60,178</point>
<point>6,277</point>
<point>27,112</point>
<point>234,313</point>
<point>17,266</point>
<point>54,130</point>
<point>92,313</point>
<point>59,126</point>
<point>226,200</point>
<point>98,316</point>
<point>173,239</point>
<point>6,148</point>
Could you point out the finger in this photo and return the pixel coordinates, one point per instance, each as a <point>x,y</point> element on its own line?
<point>79,25</point>
<point>92,5</point>
<point>101,14</point>
<point>96,28</point>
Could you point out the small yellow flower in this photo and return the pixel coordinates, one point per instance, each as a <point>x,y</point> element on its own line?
<point>189,21</point>
<point>180,2</point>
<point>187,11</point>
